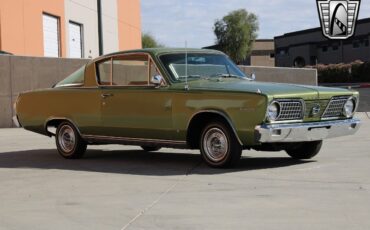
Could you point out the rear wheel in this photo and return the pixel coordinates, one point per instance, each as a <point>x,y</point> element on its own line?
<point>69,143</point>
<point>150,148</point>
<point>219,146</point>
<point>304,150</point>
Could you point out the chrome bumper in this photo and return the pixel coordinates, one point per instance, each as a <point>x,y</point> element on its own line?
<point>16,122</point>
<point>301,132</point>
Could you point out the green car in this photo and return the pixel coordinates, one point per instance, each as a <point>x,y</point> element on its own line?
<point>185,98</point>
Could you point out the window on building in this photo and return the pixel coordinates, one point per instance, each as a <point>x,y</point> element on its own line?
<point>356,44</point>
<point>324,48</point>
<point>51,35</point>
<point>335,46</point>
<point>76,46</point>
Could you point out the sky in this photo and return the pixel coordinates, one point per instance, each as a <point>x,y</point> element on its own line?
<point>172,22</point>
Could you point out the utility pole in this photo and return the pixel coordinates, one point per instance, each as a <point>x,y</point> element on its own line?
<point>100,28</point>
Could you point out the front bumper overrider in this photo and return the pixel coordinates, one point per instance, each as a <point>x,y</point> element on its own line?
<point>303,132</point>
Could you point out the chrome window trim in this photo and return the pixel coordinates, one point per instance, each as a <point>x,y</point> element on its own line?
<point>115,56</point>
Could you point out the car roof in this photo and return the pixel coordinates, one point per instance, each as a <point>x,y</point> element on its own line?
<point>159,51</point>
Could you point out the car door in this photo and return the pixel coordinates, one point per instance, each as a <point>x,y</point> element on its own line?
<point>130,105</point>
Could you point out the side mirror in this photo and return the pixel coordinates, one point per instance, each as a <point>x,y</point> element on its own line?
<point>156,80</point>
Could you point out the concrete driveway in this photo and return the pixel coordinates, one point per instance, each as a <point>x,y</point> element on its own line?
<point>118,187</point>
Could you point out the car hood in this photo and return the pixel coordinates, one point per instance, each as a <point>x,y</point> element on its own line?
<point>271,90</point>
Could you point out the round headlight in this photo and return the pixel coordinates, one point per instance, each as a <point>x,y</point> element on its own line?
<point>349,107</point>
<point>273,111</point>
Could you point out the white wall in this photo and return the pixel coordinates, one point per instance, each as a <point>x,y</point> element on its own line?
<point>84,12</point>
<point>110,26</point>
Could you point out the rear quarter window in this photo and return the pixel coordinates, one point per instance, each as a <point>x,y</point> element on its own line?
<point>75,79</point>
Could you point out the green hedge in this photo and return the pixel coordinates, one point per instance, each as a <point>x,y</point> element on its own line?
<point>344,73</point>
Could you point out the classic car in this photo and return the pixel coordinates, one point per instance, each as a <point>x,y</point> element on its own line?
<point>185,98</point>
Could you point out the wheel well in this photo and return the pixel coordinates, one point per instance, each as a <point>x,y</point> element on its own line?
<point>198,122</point>
<point>53,124</point>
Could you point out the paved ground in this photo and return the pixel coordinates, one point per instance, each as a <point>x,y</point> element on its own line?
<point>117,187</point>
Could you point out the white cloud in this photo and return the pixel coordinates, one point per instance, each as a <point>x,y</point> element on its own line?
<point>174,21</point>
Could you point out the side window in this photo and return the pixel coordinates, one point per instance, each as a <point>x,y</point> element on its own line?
<point>103,71</point>
<point>131,70</point>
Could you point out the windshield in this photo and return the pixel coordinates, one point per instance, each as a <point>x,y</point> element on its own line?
<point>200,65</point>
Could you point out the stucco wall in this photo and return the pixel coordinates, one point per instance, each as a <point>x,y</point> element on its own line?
<point>129,24</point>
<point>19,74</point>
<point>22,26</point>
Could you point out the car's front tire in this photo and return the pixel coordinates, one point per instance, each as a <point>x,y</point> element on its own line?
<point>218,145</point>
<point>304,150</point>
<point>69,143</point>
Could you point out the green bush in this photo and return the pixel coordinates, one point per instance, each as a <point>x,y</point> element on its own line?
<point>354,72</point>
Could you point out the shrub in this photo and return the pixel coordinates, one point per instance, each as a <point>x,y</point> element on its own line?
<point>354,72</point>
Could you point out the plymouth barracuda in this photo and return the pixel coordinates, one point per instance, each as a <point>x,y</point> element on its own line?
<point>185,98</point>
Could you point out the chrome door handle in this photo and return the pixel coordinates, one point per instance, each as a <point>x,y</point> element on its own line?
<point>106,95</point>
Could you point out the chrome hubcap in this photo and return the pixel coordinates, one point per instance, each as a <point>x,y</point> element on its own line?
<point>66,139</point>
<point>215,144</point>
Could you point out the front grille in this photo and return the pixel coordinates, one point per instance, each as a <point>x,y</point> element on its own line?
<point>310,104</point>
<point>335,107</point>
<point>290,110</point>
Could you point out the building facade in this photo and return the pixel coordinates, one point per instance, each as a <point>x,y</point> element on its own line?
<point>263,53</point>
<point>69,28</point>
<point>310,47</point>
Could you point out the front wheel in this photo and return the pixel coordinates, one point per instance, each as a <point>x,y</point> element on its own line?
<point>219,146</point>
<point>304,150</point>
<point>69,143</point>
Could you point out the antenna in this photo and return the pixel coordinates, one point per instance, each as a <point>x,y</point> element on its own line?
<point>186,66</point>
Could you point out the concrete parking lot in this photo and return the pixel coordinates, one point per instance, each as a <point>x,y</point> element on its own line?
<point>122,187</point>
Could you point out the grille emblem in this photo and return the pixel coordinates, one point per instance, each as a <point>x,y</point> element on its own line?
<point>316,109</point>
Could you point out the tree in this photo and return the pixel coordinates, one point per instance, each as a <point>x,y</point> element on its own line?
<point>148,41</point>
<point>236,33</point>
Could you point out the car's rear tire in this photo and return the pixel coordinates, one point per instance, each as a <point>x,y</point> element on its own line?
<point>304,150</point>
<point>219,146</point>
<point>69,143</point>
<point>150,148</point>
